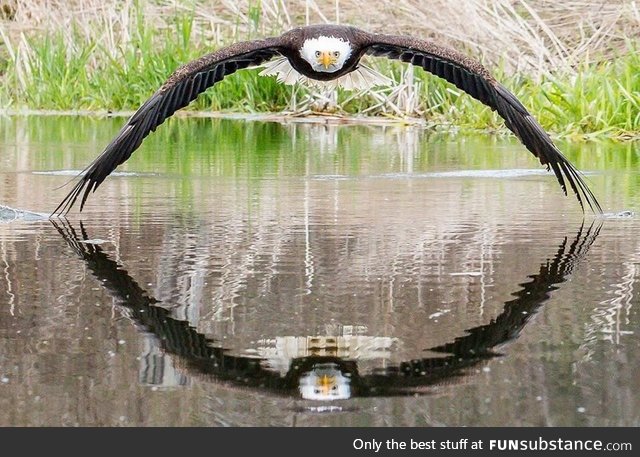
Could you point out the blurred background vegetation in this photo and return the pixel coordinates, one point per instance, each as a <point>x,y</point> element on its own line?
<point>574,64</point>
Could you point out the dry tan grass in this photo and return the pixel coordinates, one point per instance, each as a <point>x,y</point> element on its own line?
<point>536,36</point>
<point>538,39</point>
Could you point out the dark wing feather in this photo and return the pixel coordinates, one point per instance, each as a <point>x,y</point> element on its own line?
<point>180,89</point>
<point>471,77</point>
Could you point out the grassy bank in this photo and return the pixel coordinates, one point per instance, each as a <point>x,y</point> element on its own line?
<point>114,57</point>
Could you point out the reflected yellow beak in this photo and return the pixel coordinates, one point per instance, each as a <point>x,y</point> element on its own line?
<point>326,383</point>
<point>326,59</point>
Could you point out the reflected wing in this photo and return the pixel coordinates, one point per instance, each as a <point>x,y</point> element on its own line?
<point>182,87</point>
<point>471,77</point>
<point>479,344</point>
<point>175,336</point>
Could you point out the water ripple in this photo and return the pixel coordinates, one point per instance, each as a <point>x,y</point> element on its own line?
<point>8,214</point>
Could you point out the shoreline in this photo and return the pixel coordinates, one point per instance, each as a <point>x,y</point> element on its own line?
<point>318,118</point>
<point>113,56</point>
<point>284,117</point>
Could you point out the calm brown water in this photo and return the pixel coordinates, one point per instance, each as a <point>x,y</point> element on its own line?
<point>253,273</point>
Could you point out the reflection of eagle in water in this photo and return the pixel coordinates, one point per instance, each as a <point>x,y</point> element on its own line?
<point>330,376</point>
<point>327,54</point>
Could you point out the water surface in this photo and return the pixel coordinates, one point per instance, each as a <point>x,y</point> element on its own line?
<point>257,273</point>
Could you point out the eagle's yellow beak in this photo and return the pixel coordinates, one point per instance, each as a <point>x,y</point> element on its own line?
<point>326,382</point>
<point>327,59</point>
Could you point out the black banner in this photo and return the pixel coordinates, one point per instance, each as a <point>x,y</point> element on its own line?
<point>323,441</point>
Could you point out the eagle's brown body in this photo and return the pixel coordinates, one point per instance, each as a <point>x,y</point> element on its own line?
<point>188,81</point>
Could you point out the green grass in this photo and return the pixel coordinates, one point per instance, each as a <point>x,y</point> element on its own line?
<point>52,73</point>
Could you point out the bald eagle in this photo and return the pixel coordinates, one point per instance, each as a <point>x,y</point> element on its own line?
<point>329,55</point>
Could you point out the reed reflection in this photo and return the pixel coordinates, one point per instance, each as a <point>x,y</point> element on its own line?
<point>322,371</point>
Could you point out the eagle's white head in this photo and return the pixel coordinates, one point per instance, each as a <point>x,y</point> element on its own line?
<point>326,54</point>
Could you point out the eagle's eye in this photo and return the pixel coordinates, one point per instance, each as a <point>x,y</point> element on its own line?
<point>336,54</point>
<point>317,53</point>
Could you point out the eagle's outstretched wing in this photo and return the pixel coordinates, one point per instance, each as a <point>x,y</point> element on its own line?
<point>180,89</point>
<point>470,76</point>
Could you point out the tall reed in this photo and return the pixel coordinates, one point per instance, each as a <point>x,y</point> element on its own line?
<point>569,63</point>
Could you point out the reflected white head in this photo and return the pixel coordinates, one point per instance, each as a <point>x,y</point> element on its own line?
<point>326,54</point>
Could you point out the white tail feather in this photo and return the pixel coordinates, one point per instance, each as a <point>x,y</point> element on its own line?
<point>361,78</point>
